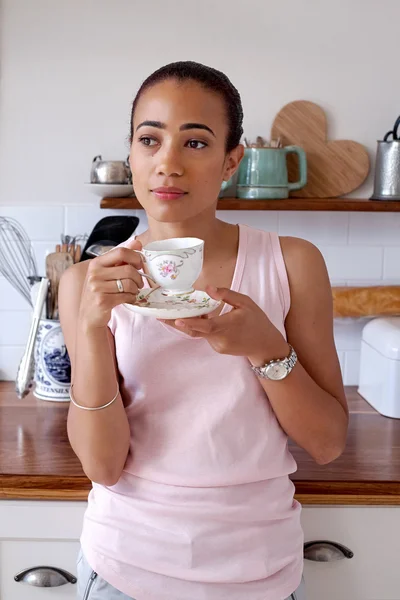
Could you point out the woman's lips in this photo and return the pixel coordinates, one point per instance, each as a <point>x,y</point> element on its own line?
<point>168,193</point>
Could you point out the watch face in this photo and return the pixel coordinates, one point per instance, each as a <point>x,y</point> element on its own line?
<point>276,371</point>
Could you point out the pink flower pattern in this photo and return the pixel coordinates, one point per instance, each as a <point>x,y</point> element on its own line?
<point>169,269</point>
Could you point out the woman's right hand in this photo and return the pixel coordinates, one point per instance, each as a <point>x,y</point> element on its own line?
<point>100,291</point>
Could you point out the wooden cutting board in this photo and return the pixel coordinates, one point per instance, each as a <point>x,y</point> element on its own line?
<point>334,168</point>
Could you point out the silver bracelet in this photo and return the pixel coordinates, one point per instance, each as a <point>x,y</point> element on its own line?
<point>90,407</point>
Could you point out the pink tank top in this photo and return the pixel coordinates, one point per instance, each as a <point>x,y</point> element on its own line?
<point>204,508</point>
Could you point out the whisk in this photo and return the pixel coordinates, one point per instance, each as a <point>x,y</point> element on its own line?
<point>17,259</point>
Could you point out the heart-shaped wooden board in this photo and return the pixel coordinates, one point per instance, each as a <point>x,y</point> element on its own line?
<point>334,168</point>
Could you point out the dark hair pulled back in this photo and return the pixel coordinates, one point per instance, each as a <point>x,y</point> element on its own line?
<point>209,78</point>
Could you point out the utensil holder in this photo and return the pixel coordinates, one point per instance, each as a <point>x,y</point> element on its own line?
<point>52,364</point>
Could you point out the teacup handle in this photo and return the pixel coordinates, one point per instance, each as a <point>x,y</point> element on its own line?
<point>142,254</point>
<point>147,276</point>
<point>141,272</point>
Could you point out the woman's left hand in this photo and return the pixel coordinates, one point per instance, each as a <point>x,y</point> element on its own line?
<point>243,331</point>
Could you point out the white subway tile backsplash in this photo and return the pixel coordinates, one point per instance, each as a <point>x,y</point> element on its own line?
<point>369,282</point>
<point>353,262</point>
<point>374,229</point>
<point>268,221</point>
<point>390,280</point>
<point>10,298</point>
<point>10,357</point>
<point>351,367</point>
<point>341,361</point>
<point>391,263</point>
<point>40,222</point>
<point>42,249</point>
<point>348,333</point>
<point>316,227</point>
<point>14,327</point>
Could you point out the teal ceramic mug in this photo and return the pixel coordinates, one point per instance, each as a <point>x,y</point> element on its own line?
<point>263,173</point>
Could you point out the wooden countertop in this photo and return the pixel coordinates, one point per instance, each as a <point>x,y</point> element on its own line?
<point>37,462</point>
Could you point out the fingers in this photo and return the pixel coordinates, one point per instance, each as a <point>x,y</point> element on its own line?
<point>198,325</point>
<point>104,280</point>
<point>119,256</point>
<point>209,325</point>
<point>111,287</point>
<point>134,244</point>
<point>104,303</point>
<point>123,298</point>
<point>228,296</point>
<point>122,272</point>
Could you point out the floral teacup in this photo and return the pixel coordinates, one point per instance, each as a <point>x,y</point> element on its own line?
<point>174,264</point>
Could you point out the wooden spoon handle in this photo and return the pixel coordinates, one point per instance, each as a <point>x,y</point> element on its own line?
<point>78,253</point>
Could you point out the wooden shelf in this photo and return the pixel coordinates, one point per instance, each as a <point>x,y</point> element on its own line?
<point>331,204</point>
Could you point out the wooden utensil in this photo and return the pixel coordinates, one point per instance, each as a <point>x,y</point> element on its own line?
<point>372,301</point>
<point>56,264</point>
<point>334,168</point>
<point>71,250</point>
<point>78,253</point>
<point>260,142</point>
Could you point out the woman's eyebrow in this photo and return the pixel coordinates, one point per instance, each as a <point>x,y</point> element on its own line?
<point>183,127</point>
<point>186,126</point>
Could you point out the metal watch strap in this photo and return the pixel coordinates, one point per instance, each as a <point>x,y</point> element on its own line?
<point>292,358</point>
<point>289,360</point>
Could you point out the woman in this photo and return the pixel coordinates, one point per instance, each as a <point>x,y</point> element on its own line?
<point>186,444</point>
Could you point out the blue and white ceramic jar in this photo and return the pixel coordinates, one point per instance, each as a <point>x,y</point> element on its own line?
<point>52,364</point>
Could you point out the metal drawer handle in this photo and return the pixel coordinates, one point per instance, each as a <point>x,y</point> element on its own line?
<point>326,551</point>
<point>45,576</point>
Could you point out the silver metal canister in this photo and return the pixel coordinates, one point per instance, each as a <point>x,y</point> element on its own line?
<point>387,167</point>
<point>387,171</point>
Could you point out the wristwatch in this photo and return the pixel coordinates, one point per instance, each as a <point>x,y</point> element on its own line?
<point>279,368</point>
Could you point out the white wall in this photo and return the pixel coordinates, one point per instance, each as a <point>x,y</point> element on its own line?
<point>69,71</point>
<point>68,74</point>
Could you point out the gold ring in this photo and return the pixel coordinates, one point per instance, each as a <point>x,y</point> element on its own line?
<point>119,285</point>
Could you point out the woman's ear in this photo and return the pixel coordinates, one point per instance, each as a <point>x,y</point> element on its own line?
<point>232,161</point>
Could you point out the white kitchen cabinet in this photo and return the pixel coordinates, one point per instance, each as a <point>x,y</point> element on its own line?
<point>34,534</point>
<point>373,535</point>
<point>37,533</point>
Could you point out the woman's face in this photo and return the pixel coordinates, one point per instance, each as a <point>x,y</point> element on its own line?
<point>179,136</point>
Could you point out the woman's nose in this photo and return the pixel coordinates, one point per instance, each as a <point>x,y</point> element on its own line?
<point>169,163</point>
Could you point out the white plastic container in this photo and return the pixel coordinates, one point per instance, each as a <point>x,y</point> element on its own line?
<point>379,380</point>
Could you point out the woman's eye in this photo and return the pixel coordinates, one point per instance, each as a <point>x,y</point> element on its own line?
<point>196,144</point>
<point>147,141</point>
<point>151,142</point>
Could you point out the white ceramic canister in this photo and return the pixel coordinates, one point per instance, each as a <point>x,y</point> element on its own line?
<point>52,364</point>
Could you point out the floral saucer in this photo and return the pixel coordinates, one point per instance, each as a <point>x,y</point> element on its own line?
<point>151,302</point>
